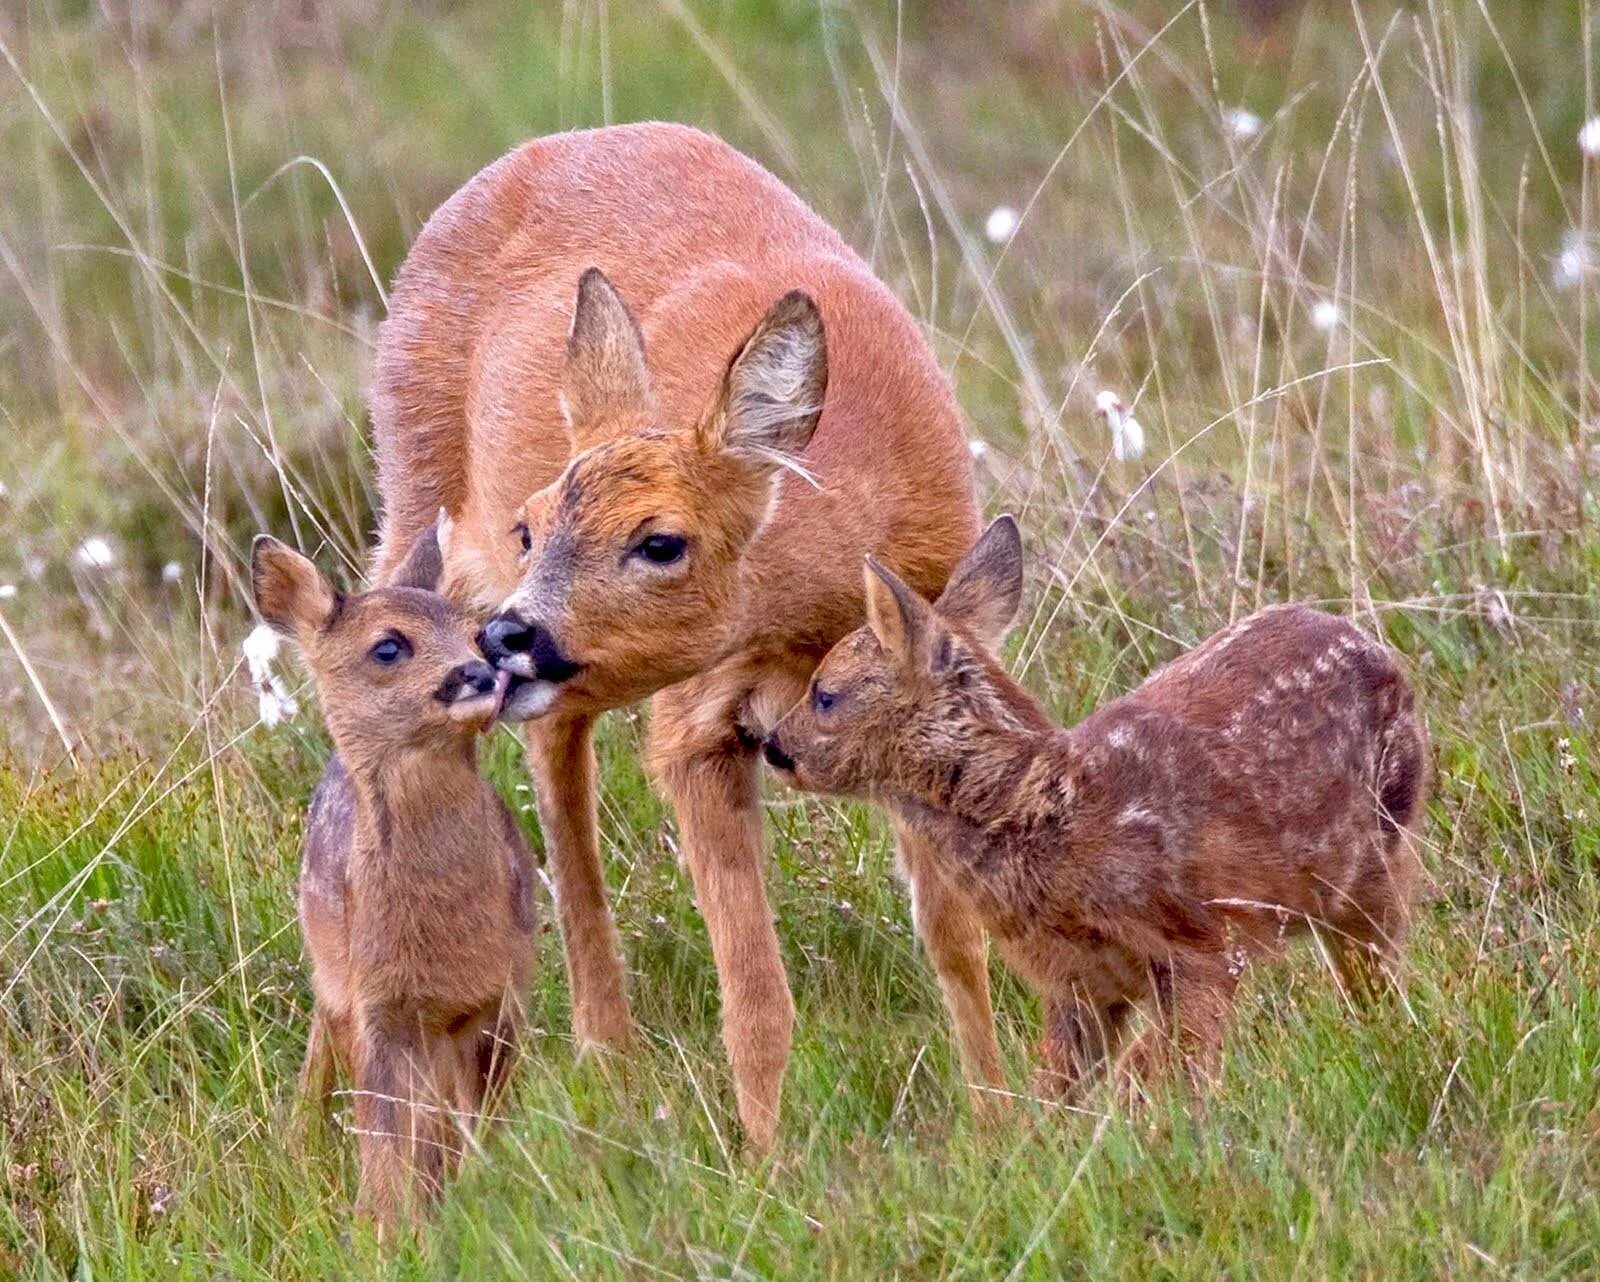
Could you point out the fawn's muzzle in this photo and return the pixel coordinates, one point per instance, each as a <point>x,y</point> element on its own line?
<point>525,649</point>
<point>776,757</point>
<point>469,681</point>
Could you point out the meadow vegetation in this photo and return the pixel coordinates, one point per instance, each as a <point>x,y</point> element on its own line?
<point>1341,270</point>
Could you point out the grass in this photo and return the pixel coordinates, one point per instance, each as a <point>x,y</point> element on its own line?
<point>188,314</point>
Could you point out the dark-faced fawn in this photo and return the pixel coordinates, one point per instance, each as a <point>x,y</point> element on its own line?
<point>1265,784</point>
<point>416,887</point>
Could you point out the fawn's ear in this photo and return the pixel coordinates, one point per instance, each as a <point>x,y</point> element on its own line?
<point>290,592</point>
<point>771,395</point>
<point>984,592</point>
<point>423,566</point>
<point>605,384</point>
<point>898,617</point>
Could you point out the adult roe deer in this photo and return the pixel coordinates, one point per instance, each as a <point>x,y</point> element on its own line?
<point>618,476</point>
<point>1265,784</point>
<point>416,889</point>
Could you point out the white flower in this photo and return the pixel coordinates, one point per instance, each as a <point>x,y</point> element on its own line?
<point>171,572</point>
<point>1589,137</point>
<point>275,702</point>
<point>260,649</point>
<point>978,448</point>
<point>1242,123</point>
<point>7,591</point>
<point>1001,224</point>
<point>1574,262</point>
<point>96,553</point>
<point>1127,436</point>
<point>1326,315</point>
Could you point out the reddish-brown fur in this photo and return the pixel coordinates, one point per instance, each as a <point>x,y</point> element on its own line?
<point>1263,785</point>
<point>561,426</point>
<point>416,888</point>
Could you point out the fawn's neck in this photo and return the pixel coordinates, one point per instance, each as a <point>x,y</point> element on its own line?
<point>408,801</point>
<point>995,776</point>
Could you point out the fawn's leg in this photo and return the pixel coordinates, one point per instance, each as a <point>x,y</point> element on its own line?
<point>1079,1036</point>
<point>319,1068</point>
<point>1191,1009</point>
<point>397,1124</point>
<point>709,774</point>
<point>561,759</point>
<point>497,1053</point>
<point>1367,936</point>
<point>959,950</point>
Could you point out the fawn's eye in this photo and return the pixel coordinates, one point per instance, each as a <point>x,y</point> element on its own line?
<point>390,651</point>
<point>661,549</point>
<point>822,700</point>
<point>520,529</point>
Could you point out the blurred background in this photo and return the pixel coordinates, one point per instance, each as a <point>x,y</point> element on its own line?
<point>1335,263</point>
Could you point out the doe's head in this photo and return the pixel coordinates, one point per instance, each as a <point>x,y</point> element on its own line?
<point>395,668</point>
<point>898,697</point>
<point>631,559</point>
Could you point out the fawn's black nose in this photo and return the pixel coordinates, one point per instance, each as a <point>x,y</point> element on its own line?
<point>776,757</point>
<point>467,682</point>
<point>524,648</point>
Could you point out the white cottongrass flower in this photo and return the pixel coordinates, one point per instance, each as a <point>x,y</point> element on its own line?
<point>7,591</point>
<point>1241,123</point>
<point>1589,137</point>
<point>1001,225</point>
<point>275,702</point>
<point>96,553</point>
<point>273,699</point>
<point>977,448</point>
<point>260,649</point>
<point>1326,316</point>
<point>1574,262</point>
<point>1127,436</point>
<point>171,572</point>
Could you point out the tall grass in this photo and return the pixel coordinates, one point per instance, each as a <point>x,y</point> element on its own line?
<point>1341,272</point>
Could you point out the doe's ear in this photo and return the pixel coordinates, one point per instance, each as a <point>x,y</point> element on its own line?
<point>984,592</point>
<point>898,617</point>
<point>771,396</point>
<point>423,566</point>
<point>605,380</point>
<point>290,592</point>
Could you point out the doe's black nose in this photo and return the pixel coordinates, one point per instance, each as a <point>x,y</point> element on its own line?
<point>506,634</point>
<point>776,757</point>
<point>509,636</point>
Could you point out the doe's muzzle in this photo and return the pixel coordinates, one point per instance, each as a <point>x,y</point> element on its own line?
<point>524,648</point>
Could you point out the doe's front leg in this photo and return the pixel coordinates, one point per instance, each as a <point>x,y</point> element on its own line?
<point>711,779</point>
<point>561,760</point>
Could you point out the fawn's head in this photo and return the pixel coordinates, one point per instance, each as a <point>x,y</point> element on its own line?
<point>902,694</point>
<point>395,668</point>
<point>631,559</point>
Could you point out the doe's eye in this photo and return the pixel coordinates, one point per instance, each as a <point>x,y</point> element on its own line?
<point>822,699</point>
<point>390,651</point>
<point>662,549</point>
<point>521,531</point>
